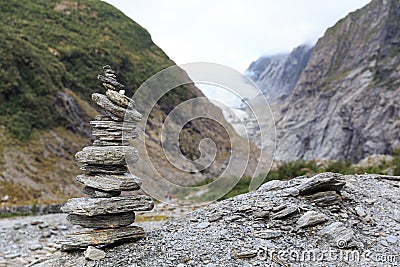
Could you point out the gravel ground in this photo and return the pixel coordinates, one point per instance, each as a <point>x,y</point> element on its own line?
<point>26,240</point>
<point>278,225</point>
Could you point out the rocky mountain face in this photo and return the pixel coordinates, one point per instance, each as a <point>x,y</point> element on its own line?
<point>346,104</point>
<point>277,75</point>
<point>50,55</point>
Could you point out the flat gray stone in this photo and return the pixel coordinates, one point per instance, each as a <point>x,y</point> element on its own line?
<point>102,206</point>
<point>131,114</point>
<point>120,99</point>
<point>111,143</point>
<point>107,155</point>
<point>246,254</point>
<point>110,81</point>
<point>327,181</point>
<point>106,135</point>
<point>290,191</point>
<point>311,218</point>
<point>325,199</point>
<point>35,246</point>
<point>109,182</point>
<point>273,185</point>
<point>269,234</point>
<point>93,192</point>
<point>82,240</point>
<point>203,225</point>
<point>360,211</point>
<point>286,212</point>
<point>94,254</point>
<point>391,239</point>
<point>338,234</point>
<point>102,221</point>
<point>106,123</point>
<point>106,169</point>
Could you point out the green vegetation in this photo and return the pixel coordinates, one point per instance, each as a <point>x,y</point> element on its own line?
<point>49,46</point>
<point>13,214</point>
<point>396,161</point>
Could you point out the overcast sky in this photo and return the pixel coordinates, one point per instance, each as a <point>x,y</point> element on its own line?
<point>232,32</point>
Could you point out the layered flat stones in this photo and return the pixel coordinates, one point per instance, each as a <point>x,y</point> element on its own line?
<point>106,175</point>
<point>114,136</point>
<point>93,192</point>
<point>106,169</point>
<point>99,206</point>
<point>111,143</point>
<point>114,109</point>
<point>111,81</point>
<point>103,221</point>
<point>102,237</point>
<point>104,182</point>
<point>322,182</point>
<point>111,125</point>
<point>119,99</point>
<point>107,155</point>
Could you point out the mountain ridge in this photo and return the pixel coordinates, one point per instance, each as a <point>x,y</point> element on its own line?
<point>277,75</point>
<point>345,104</point>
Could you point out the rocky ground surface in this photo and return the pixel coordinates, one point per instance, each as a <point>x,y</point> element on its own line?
<point>28,240</point>
<point>327,220</point>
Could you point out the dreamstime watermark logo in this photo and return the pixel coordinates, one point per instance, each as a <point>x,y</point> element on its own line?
<point>318,255</point>
<point>154,93</point>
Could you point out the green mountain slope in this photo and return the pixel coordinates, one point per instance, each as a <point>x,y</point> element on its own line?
<point>47,46</point>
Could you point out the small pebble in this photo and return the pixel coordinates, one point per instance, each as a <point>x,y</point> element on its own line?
<point>391,239</point>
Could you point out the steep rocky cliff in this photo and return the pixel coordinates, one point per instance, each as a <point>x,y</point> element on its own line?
<point>346,103</point>
<point>277,75</point>
<point>50,55</point>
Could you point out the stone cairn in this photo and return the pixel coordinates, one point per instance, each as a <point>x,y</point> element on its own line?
<point>106,175</point>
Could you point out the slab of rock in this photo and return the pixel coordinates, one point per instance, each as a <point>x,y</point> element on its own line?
<point>269,234</point>
<point>202,225</point>
<point>339,234</point>
<point>247,254</point>
<point>120,99</point>
<point>322,182</point>
<point>107,155</point>
<point>108,182</point>
<point>82,240</point>
<point>94,254</point>
<point>120,112</point>
<point>103,221</point>
<point>360,211</point>
<point>114,135</point>
<point>107,169</point>
<point>286,212</point>
<point>103,117</point>
<point>102,206</point>
<point>392,239</point>
<point>273,185</point>
<point>112,125</point>
<point>325,199</point>
<point>110,81</point>
<point>111,143</point>
<point>93,192</point>
<point>311,218</point>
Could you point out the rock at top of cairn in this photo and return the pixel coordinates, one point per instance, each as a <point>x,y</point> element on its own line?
<point>106,174</point>
<point>109,79</point>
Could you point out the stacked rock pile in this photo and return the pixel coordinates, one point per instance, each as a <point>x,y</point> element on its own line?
<point>106,175</point>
